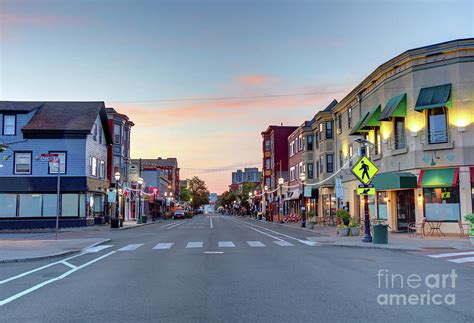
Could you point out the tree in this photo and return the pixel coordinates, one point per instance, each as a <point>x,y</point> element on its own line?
<point>199,192</point>
<point>185,195</point>
<point>226,199</point>
<point>243,195</point>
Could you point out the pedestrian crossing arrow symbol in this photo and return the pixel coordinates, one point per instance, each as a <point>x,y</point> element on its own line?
<point>364,170</point>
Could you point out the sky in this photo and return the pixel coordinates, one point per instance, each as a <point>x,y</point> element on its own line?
<point>273,62</point>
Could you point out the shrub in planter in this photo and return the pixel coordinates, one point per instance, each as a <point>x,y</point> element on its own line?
<point>343,216</point>
<point>470,219</point>
<point>354,227</point>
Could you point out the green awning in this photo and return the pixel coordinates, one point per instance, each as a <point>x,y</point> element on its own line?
<point>394,181</point>
<point>356,128</point>
<point>373,119</point>
<point>434,97</point>
<point>396,107</point>
<point>439,177</point>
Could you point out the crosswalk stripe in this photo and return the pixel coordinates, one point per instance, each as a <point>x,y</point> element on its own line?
<point>308,243</point>
<point>131,247</point>
<point>283,243</point>
<point>462,260</point>
<point>452,254</point>
<point>163,245</point>
<point>194,245</point>
<point>255,244</point>
<point>98,248</point>
<point>226,244</point>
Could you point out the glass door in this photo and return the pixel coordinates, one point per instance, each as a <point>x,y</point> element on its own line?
<point>405,209</point>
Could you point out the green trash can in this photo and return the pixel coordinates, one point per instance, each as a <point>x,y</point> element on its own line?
<point>144,219</point>
<point>380,232</point>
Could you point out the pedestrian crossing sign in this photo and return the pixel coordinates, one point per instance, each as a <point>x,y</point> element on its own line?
<point>364,170</point>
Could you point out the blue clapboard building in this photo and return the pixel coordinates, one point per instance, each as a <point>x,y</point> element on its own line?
<point>79,133</point>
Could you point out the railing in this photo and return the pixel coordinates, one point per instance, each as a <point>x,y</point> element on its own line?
<point>397,142</point>
<point>434,137</point>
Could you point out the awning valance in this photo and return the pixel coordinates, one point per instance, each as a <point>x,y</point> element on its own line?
<point>438,177</point>
<point>434,97</point>
<point>394,181</point>
<point>395,107</point>
<point>356,129</point>
<point>293,196</point>
<point>373,119</point>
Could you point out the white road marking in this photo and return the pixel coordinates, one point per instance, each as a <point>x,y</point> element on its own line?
<point>306,242</point>
<point>168,225</point>
<point>38,269</point>
<point>462,260</point>
<point>68,264</point>
<point>283,243</point>
<point>210,219</point>
<point>38,286</point>
<point>131,247</point>
<point>194,245</point>
<point>163,245</point>
<point>452,254</point>
<point>255,244</point>
<point>174,226</point>
<point>97,249</point>
<point>226,244</point>
<point>214,252</point>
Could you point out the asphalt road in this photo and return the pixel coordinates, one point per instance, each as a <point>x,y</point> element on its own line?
<point>228,269</point>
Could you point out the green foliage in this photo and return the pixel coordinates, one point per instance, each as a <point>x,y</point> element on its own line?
<point>470,218</point>
<point>343,215</point>
<point>353,223</point>
<point>226,199</point>
<point>199,192</point>
<point>185,195</point>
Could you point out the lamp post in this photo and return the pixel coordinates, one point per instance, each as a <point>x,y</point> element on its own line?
<point>367,235</point>
<point>280,206</point>
<point>250,203</point>
<point>166,201</point>
<point>265,188</point>
<point>140,182</point>
<point>155,191</point>
<point>303,210</point>
<point>114,223</point>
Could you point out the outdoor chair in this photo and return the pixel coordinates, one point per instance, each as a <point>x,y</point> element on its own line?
<point>416,228</point>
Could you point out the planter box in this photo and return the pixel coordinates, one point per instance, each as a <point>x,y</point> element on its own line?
<point>343,231</point>
<point>354,231</point>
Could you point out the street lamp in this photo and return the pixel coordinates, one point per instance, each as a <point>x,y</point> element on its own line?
<point>280,185</point>
<point>303,213</point>
<point>114,223</point>
<point>140,183</point>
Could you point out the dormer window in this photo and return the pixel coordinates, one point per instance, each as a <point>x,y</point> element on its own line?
<point>9,124</point>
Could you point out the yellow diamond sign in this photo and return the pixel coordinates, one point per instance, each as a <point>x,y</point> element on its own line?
<point>366,191</point>
<point>364,170</point>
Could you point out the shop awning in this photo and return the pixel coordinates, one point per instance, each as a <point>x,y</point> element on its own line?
<point>373,119</point>
<point>434,97</point>
<point>293,196</point>
<point>472,175</point>
<point>395,107</point>
<point>439,177</point>
<point>394,181</point>
<point>356,129</point>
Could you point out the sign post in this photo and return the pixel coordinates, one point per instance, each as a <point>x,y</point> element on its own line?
<point>53,160</point>
<point>364,170</point>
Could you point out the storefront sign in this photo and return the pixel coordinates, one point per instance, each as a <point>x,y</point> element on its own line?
<point>445,195</point>
<point>111,197</point>
<point>339,189</point>
<point>364,170</point>
<point>308,191</point>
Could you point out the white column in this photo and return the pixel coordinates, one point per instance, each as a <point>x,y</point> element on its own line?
<point>465,197</point>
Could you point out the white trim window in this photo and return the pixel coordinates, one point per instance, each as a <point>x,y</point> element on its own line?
<point>102,169</point>
<point>94,166</point>
<point>117,133</point>
<point>23,163</point>
<point>9,124</point>
<point>53,169</point>
<point>94,132</point>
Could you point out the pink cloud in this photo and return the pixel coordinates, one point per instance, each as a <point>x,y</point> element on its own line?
<point>254,80</point>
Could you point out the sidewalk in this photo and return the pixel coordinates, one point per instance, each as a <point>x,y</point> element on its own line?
<point>26,250</point>
<point>396,241</point>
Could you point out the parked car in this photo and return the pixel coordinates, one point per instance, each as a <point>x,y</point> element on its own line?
<point>179,214</point>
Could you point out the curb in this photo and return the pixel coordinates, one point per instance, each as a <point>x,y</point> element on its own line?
<point>136,226</point>
<point>59,254</point>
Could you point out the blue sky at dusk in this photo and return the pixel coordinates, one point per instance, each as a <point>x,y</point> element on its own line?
<point>131,54</point>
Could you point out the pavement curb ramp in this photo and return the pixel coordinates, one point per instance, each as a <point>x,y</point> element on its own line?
<point>59,254</point>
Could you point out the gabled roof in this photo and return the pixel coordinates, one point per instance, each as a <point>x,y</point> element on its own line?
<point>61,117</point>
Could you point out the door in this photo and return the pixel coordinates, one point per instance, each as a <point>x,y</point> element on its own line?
<point>405,209</point>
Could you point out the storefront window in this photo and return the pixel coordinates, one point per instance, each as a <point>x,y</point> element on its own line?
<point>49,204</point>
<point>382,199</point>
<point>442,204</point>
<point>30,205</point>
<point>8,205</point>
<point>69,204</point>
<point>82,205</point>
